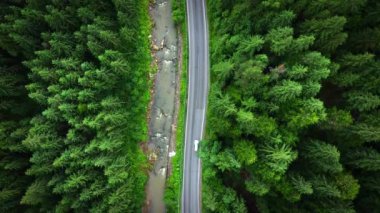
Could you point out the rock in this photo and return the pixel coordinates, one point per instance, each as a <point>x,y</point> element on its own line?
<point>163,171</point>
<point>173,48</point>
<point>159,115</point>
<point>162,43</point>
<point>171,154</point>
<point>162,4</point>
<point>152,156</point>
<point>155,47</point>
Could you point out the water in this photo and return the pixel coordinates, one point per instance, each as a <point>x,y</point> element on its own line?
<point>162,110</point>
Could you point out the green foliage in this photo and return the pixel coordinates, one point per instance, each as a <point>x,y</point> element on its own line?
<point>325,188</point>
<point>84,65</point>
<point>226,161</point>
<point>282,42</point>
<point>179,12</point>
<point>323,156</point>
<point>365,158</point>
<point>286,92</point>
<point>222,199</point>
<point>297,81</point>
<point>275,160</point>
<point>216,197</point>
<point>14,117</point>
<point>363,101</point>
<point>294,186</point>
<point>245,152</point>
<point>223,70</point>
<point>328,32</point>
<point>257,187</point>
<point>348,186</point>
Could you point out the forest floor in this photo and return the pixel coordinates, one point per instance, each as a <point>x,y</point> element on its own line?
<point>164,104</point>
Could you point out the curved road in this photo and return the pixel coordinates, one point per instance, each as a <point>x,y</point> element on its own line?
<point>198,84</point>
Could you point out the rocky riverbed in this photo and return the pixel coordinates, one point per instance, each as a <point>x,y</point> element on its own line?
<point>163,108</point>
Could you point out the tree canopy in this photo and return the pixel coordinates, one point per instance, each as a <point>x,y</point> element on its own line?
<point>294,101</point>
<point>73,105</point>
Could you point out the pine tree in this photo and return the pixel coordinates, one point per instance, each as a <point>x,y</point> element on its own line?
<point>83,138</point>
<point>312,50</point>
<point>14,115</point>
<point>323,156</point>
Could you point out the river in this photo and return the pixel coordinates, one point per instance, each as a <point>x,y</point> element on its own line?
<point>164,47</point>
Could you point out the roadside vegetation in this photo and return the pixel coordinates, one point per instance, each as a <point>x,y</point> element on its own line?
<point>174,183</point>
<point>293,116</point>
<point>73,89</point>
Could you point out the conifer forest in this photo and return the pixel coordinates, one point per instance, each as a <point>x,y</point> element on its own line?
<point>73,79</point>
<point>294,107</point>
<point>293,119</point>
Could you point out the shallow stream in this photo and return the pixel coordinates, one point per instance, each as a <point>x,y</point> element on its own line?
<point>164,44</point>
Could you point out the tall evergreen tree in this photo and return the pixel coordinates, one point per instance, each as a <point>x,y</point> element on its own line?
<point>314,149</point>
<point>84,64</point>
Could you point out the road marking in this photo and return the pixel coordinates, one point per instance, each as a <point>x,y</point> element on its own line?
<point>190,18</point>
<point>205,94</point>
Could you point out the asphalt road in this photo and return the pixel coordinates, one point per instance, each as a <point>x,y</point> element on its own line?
<point>198,84</point>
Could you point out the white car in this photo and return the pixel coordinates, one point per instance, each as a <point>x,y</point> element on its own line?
<point>196,142</point>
